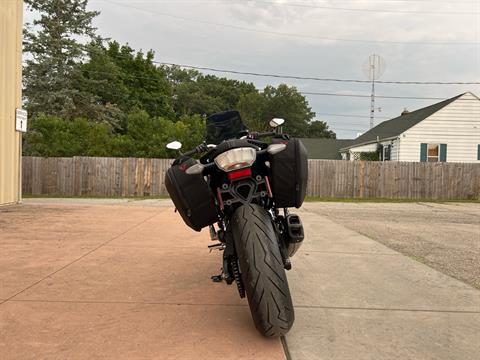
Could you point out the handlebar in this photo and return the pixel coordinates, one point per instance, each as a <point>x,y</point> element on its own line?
<point>251,136</point>
<point>197,150</point>
<point>258,135</point>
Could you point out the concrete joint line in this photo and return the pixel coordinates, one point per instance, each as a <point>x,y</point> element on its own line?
<point>81,257</point>
<point>288,356</point>
<point>349,253</point>
<point>121,302</point>
<point>386,309</point>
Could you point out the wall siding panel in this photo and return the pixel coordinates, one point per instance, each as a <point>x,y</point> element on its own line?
<point>10,98</point>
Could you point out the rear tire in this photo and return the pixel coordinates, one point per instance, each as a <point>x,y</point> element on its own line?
<point>263,272</point>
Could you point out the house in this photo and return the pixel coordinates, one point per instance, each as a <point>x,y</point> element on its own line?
<point>319,148</point>
<point>445,131</point>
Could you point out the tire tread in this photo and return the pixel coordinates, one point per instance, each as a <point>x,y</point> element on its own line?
<point>263,273</point>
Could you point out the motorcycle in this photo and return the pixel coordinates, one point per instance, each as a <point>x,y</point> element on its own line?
<point>241,188</point>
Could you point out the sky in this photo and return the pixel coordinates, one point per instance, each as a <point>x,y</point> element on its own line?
<point>423,40</point>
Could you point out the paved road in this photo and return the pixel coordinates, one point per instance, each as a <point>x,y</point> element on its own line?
<point>109,279</point>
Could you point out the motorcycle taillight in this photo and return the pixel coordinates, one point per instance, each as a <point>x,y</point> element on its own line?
<point>238,174</point>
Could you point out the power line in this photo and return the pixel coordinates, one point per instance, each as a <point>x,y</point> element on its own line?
<point>302,78</point>
<point>302,92</point>
<point>325,1</point>
<point>242,28</point>
<point>297,77</point>
<point>320,114</point>
<point>335,8</point>
<point>336,129</point>
<point>351,115</point>
<point>368,96</point>
<point>300,3</point>
<point>90,50</point>
<point>313,78</point>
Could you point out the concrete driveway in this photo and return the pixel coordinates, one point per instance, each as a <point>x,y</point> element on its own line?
<point>119,279</point>
<point>116,280</point>
<point>358,299</point>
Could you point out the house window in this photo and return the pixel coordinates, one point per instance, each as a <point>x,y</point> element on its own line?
<point>387,151</point>
<point>433,152</point>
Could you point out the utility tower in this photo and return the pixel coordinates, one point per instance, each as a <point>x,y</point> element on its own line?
<point>373,68</point>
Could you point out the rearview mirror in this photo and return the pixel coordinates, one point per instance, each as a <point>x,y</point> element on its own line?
<point>276,122</point>
<point>174,145</point>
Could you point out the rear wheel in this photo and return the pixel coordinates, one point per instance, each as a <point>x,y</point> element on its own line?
<point>263,273</point>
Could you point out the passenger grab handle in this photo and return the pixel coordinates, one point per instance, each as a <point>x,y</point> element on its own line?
<point>195,169</point>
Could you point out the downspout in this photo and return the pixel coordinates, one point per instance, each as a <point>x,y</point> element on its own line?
<point>380,155</point>
<point>398,149</point>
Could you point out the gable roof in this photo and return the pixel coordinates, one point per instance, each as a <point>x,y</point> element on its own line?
<point>396,126</point>
<point>321,148</point>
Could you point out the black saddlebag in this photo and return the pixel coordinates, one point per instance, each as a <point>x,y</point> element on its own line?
<point>191,195</point>
<point>289,170</point>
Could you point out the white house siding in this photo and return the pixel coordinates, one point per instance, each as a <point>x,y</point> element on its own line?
<point>457,125</point>
<point>373,147</point>
<point>354,152</point>
<point>364,148</point>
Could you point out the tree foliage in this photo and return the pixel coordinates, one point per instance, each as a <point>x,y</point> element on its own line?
<point>53,136</point>
<point>123,79</point>
<point>54,53</point>
<point>370,156</point>
<point>319,129</point>
<point>284,101</point>
<point>146,136</point>
<point>195,93</point>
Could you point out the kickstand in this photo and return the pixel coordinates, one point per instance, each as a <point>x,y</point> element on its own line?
<point>217,278</point>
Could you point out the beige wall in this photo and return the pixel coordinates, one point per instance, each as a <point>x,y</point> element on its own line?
<point>10,98</point>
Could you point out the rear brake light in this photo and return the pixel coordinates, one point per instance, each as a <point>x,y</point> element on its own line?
<point>239,174</point>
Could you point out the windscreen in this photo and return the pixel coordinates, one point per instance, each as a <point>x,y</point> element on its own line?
<point>224,126</point>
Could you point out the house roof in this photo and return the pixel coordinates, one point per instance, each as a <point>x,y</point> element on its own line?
<point>396,126</point>
<point>320,148</point>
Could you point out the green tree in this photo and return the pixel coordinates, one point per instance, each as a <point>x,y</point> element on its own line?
<point>123,79</point>
<point>319,129</point>
<point>195,93</point>
<point>257,109</point>
<point>147,136</point>
<point>254,109</point>
<point>53,136</point>
<point>54,53</point>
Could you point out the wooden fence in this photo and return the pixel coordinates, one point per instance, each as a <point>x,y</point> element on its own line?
<point>87,176</point>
